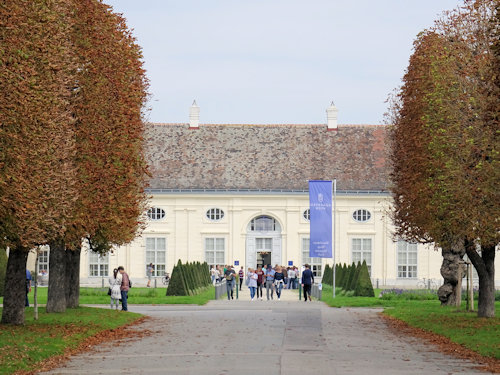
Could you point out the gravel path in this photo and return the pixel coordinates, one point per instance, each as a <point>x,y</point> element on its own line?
<point>265,337</point>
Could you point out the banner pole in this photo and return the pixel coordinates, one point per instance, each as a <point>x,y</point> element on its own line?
<point>334,229</point>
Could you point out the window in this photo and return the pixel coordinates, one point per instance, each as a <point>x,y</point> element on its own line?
<point>156,213</point>
<point>98,264</point>
<point>315,263</point>
<point>156,253</point>
<point>214,251</point>
<point>264,224</point>
<point>407,259</point>
<point>361,215</point>
<point>307,214</point>
<point>215,214</point>
<point>362,251</point>
<point>43,259</point>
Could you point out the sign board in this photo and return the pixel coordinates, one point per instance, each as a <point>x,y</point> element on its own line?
<point>320,203</point>
<point>236,262</point>
<point>290,262</point>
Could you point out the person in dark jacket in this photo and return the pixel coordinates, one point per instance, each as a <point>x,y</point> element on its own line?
<point>307,281</point>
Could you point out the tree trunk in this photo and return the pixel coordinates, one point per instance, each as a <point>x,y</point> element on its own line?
<point>451,270</point>
<point>56,298</point>
<point>73,278</point>
<point>485,267</point>
<point>14,299</point>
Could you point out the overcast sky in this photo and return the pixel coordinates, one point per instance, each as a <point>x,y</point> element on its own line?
<point>275,61</point>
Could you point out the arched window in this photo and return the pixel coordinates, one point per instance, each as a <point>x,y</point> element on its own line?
<point>307,214</point>
<point>361,215</point>
<point>264,224</point>
<point>156,213</point>
<point>215,214</point>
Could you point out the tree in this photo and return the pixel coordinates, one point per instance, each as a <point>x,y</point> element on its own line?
<point>37,148</point>
<point>3,269</point>
<point>108,97</point>
<point>445,146</point>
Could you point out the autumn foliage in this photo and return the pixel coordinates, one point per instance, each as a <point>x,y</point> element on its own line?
<point>71,133</point>
<point>445,145</point>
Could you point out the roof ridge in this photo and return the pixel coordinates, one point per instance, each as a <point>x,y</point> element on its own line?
<point>265,124</point>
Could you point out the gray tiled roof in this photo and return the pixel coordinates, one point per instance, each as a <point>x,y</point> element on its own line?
<point>266,157</point>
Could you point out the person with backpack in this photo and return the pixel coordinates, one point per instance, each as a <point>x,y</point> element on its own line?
<point>124,288</point>
<point>279,277</point>
<point>307,281</point>
<point>230,276</point>
<point>241,275</point>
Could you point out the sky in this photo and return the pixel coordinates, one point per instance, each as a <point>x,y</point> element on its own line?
<point>275,61</point>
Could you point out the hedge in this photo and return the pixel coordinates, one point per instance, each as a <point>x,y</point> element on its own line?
<point>188,279</point>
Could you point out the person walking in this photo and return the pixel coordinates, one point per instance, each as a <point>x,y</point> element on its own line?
<point>291,277</point>
<point>296,280</point>
<point>279,277</point>
<point>260,281</point>
<point>124,288</point>
<point>28,287</point>
<point>307,281</point>
<point>269,281</point>
<point>150,270</point>
<point>252,282</point>
<point>230,282</point>
<point>241,275</point>
<point>213,274</point>
<point>115,283</point>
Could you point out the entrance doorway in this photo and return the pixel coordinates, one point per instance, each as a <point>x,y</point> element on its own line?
<point>263,242</point>
<point>264,248</point>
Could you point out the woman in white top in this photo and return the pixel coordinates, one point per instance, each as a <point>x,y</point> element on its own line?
<point>252,282</point>
<point>115,282</point>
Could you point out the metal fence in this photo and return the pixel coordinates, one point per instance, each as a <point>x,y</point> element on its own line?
<point>220,288</point>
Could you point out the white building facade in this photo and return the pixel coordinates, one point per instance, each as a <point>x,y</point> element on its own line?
<point>237,194</point>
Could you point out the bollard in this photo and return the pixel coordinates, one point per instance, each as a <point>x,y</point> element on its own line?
<point>237,294</point>
<point>103,282</point>
<point>377,283</point>
<point>155,282</point>
<point>300,292</point>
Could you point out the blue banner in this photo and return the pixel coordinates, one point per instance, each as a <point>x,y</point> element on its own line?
<point>320,204</point>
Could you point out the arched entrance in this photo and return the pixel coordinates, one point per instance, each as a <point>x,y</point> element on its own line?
<point>263,245</point>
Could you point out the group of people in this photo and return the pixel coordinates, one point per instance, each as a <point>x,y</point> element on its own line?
<point>119,285</point>
<point>273,279</point>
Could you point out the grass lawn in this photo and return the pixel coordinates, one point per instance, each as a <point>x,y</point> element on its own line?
<point>23,347</point>
<point>478,334</point>
<point>148,296</point>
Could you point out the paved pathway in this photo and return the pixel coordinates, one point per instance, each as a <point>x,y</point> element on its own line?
<point>265,337</point>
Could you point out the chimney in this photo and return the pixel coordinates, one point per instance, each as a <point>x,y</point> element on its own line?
<point>331,117</point>
<point>194,116</point>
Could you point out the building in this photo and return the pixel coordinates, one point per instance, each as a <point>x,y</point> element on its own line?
<point>237,194</point>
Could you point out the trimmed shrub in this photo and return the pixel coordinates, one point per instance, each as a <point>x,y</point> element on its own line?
<point>364,287</point>
<point>177,285</point>
<point>3,270</point>
<point>188,279</point>
<point>352,275</point>
<point>354,281</point>
<point>328,275</point>
<point>338,275</point>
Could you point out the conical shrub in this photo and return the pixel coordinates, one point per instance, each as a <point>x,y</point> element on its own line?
<point>177,285</point>
<point>364,287</point>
